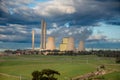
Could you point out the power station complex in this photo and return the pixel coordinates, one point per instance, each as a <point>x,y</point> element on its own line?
<point>67,43</point>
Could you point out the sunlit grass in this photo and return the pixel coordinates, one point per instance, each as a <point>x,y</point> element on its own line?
<point>68,66</point>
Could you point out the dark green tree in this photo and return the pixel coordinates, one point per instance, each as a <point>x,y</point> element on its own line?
<point>36,75</point>
<point>45,74</point>
<point>117,59</point>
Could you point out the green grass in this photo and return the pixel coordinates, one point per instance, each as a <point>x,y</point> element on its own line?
<point>110,76</point>
<point>68,66</point>
<point>2,77</point>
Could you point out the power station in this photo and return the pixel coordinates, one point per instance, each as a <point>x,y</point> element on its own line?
<point>67,43</point>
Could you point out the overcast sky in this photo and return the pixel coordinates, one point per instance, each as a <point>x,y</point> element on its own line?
<point>89,20</point>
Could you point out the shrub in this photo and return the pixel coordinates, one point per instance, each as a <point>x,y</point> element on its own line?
<point>117,59</point>
<point>45,74</point>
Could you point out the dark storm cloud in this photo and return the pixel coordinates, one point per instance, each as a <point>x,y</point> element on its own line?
<point>81,12</point>
<point>108,0</point>
<point>13,33</point>
<point>16,12</point>
<point>114,21</point>
<point>78,13</point>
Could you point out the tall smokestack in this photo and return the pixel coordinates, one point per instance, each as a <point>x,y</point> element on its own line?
<point>81,46</point>
<point>33,39</point>
<point>43,34</point>
<point>50,43</point>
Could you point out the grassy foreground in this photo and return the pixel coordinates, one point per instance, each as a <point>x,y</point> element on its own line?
<point>21,67</point>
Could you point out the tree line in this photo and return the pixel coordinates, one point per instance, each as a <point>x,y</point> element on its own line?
<point>99,53</point>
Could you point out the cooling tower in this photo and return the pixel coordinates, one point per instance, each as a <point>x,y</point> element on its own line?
<point>65,40</point>
<point>70,44</point>
<point>33,35</point>
<point>43,35</point>
<point>67,44</point>
<point>81,46</point>
<point>50,43</point>
<point>63,45</point>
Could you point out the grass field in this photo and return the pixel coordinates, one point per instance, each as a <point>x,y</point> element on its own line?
<point>16,67</point>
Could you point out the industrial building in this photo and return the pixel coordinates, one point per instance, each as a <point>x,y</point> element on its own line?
<point>67,43</point>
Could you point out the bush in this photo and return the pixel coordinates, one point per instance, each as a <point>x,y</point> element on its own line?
<point>45,74</point>
<point>117,59</point>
